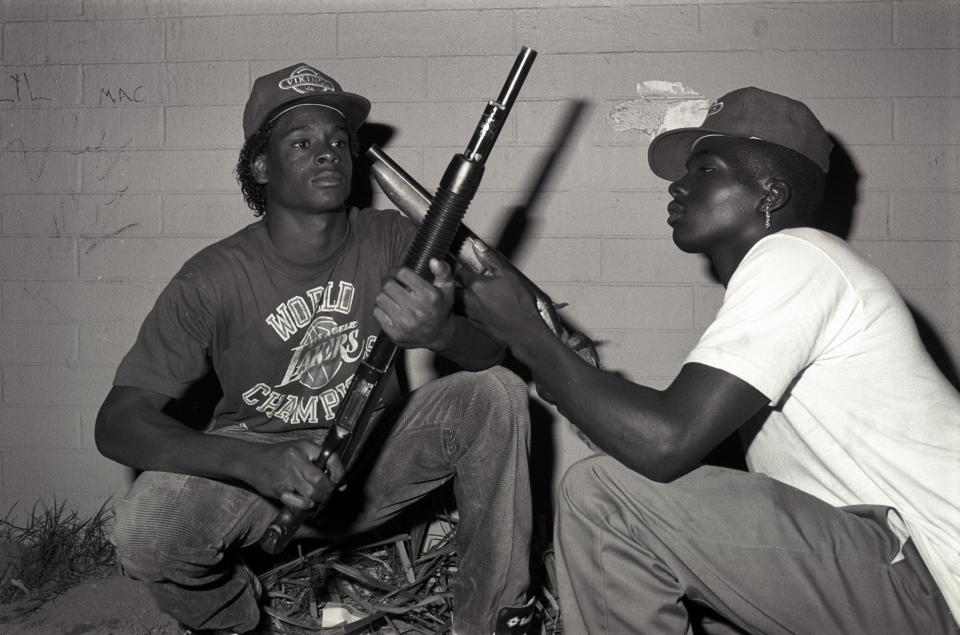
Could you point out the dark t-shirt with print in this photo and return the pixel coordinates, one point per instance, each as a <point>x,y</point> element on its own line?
<point>284,339</point>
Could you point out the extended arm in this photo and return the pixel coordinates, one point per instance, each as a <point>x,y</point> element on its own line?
<point>133,430</point>
<point>659,433</point>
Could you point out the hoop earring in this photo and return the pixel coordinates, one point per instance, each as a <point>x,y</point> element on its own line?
<point>766,219</point>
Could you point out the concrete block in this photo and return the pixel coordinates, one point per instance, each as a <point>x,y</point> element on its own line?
<point>143,258</point>
<point>73,385</point>
<point>70,41</point>
<point>781,26</point>
<point>16,10</point>
<point>910,168</point>
<point>437,123</point>
<point>926,24</point>
<point>106,343</point>
<point>203,127</point>
<point>26,342</point>
<point>930,121</point>
<point>58,214</point>
<point>914,263</point>
<point>654,260</point>
<point>39,427</point>
<point>61,129</point>
<point>925,215</point>
<point>870,217</point>
<point>639,28</point>
<point>31,258</point>
<point>78,300</point>
<point>216,215</point>
<point>180,84</point>
<point>69,471</point>
<point>641,214</point>
<point>432,33</point>
<point>561,260</point>
<point>159,171</point>
<point>625,307</point>
<point>647,354</point>
<point>38,172</point>
<point>855,120</point>
<point>939,307</point>
<point>39,86</point>
<point>260,37</point>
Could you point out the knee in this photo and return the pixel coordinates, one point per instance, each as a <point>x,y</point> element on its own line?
<point>503,391</point>
<point>149,533</point>
<point>589,487</point>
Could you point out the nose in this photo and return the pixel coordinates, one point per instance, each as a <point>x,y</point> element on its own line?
<point>327,154</point>
<point>677,188</point>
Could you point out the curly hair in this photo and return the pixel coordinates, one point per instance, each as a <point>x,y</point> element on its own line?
<point>253,192</point>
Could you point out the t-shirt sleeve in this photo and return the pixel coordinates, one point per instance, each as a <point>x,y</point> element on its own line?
<point>172,349</point>
<point>784,306</point>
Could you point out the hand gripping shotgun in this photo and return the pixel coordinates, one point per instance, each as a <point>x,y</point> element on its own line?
<point>457,188</point>
<point>414,201</point>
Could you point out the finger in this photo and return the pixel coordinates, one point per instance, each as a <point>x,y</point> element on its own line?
<point>442,273</point>
<point>335,469</point>
<point>385,321</point>
<point>487,257</point>
<point>416,285</point>
<point>296,501</point>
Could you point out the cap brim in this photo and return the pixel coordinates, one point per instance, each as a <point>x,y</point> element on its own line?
<point>669,151</point>
<point>354,107</point>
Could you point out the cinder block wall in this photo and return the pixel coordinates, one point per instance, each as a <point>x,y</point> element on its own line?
<point>120,125</point>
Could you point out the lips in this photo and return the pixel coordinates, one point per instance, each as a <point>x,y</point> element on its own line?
<point>674,211</point>
<point>327,178</point>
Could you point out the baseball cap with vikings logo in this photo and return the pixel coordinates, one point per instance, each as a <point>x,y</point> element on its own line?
<point>746,113</point>
<point>295,86</point>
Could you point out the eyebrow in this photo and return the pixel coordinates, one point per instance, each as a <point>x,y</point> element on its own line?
<point>337,127</point>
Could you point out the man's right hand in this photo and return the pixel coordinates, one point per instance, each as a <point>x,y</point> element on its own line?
<point>286,471</point>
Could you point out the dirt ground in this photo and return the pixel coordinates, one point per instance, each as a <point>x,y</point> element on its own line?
<point>107,606</point>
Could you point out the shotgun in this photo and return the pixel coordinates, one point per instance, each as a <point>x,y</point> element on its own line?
<point>414,201</point>
<point>458,186</point>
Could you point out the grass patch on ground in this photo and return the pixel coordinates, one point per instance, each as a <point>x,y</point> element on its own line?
<point>49,552</point>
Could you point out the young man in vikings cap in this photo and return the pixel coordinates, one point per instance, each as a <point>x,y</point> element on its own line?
<point>848,520</point>
<point>283,311</point>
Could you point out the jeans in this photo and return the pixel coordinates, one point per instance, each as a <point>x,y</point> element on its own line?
<point>181,535</point>
<point>765,557</point>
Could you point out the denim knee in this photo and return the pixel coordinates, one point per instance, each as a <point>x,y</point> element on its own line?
<point>152,529</point>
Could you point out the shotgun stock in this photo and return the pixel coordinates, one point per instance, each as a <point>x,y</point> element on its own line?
<point>459,184</point>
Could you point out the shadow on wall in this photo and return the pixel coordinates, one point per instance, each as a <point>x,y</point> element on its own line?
<point>836,217</point>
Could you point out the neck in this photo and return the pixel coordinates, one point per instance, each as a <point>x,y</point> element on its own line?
<point>309,238</point>
<point>725,262</point>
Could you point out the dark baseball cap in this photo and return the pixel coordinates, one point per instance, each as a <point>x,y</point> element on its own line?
<point>746,113</point>
<point>299,85</point>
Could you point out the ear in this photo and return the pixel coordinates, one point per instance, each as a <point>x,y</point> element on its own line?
<point>776,194</point>
<point>258,166</point>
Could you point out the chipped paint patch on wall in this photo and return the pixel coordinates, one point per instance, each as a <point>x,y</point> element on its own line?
<point>660,105</point>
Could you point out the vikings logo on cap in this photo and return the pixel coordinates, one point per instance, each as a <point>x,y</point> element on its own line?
<point>306,80</point>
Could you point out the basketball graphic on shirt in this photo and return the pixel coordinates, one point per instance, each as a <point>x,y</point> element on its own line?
<point>323,361</point>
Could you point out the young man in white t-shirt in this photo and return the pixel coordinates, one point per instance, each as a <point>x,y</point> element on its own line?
<point>848,520</point>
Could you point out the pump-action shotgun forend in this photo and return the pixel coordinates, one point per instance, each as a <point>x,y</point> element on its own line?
<point>413,200</point>
<point>355,414</point>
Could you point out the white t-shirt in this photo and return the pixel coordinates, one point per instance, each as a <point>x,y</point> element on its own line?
<point>859,412</point>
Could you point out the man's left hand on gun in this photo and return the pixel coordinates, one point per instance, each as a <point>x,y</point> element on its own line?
<point>414,312</point>
<point>503,305</point>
